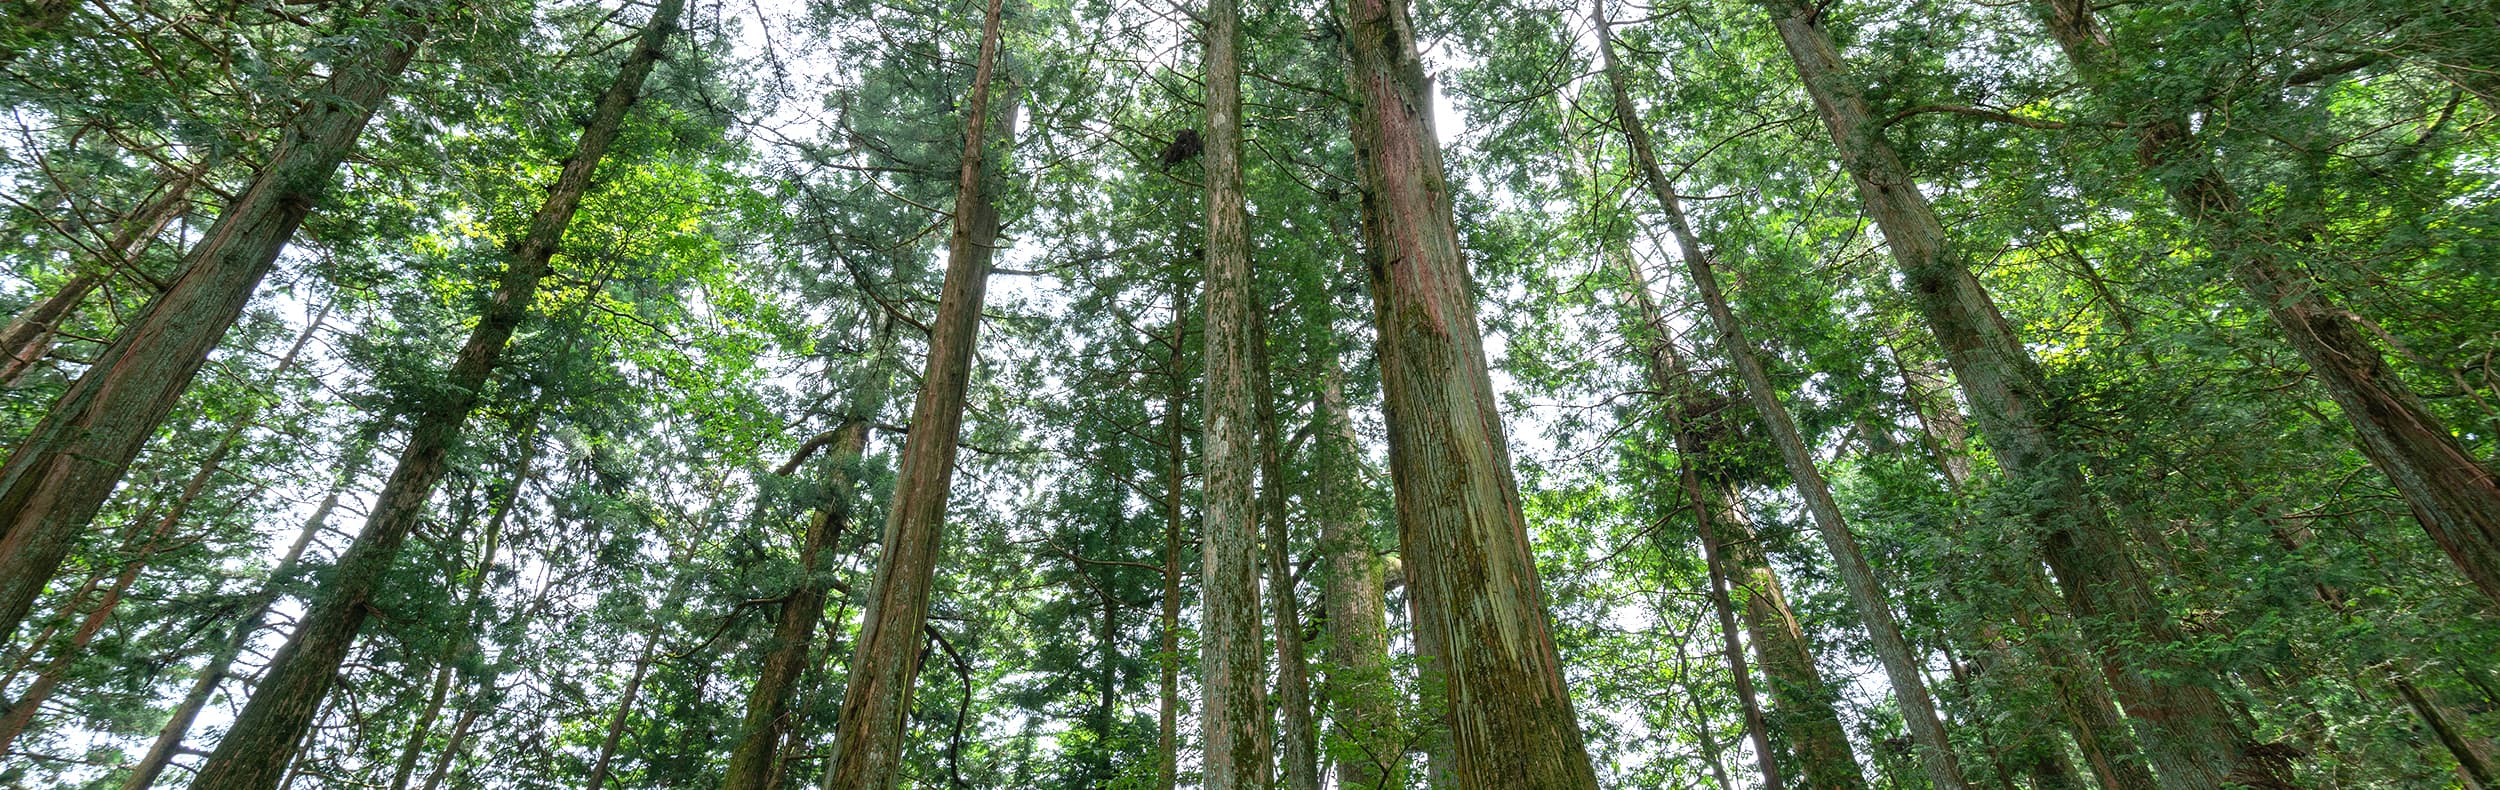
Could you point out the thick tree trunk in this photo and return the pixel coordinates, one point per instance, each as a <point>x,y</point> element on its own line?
<point>1365,741</point>
<point>1233,714</point>
<point>1300,751</point>
<point>56,479</point>
<point>256,750</point>
<point>221,666</point>
<point>1462,536</point>
<point>753,763</point>
<point>2190,735</point>
<point>2452,494</point>
<point>868,739</point>
<point>1866,592</point>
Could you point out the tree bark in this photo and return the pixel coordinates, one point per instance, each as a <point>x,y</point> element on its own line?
<point>1462,536</point>
<point>2456,499</point>
<point>255,751</point>
<point>1866,592</point>
<point>754,762</point>
<point>868,738</point>
<point>1233,714</point>
<point>59,476</point>
<point>2187,731</point>
<point>1365,741</point>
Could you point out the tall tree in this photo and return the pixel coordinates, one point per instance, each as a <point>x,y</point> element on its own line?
<point>1234,712</point>
<point>2450,491</point>
<point>1902,666</point>
<point>57,478</point>
<point>2185,727</point>
<point>256,750</point>
<point>1499,684</point>
<point>868,741</point>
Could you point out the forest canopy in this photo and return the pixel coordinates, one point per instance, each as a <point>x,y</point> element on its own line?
<point>1477,394</point>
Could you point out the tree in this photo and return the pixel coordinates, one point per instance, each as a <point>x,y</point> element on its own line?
<point>1462,537</point>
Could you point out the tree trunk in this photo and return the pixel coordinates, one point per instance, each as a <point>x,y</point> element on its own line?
<point>1233,716</point>
<point>1300,754</point>
<point>255,751</point>
<point>1803,700</point>
<point>28,337</point>
<point>1866,592</point>
<point>221,666</point>
<point>1167,712</point>
<point>18,715</point>
<point>625,704</point>
<point>57,478</point>
<point>754,762</point>
<point>1365,740</point>
<point>868,739</point>
<point>1462,536</point>
<point>2452,494</point>
<point>2083,695</point>
<point>2183,724</point>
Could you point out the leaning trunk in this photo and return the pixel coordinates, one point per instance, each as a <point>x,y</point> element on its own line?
<point>2456,498</point>
<point>256,750</point>
<point>1866,592</point>
<point>868,739</point>
<point>56,479</point>
<point>2187,731</point>
<point>753,760</point>
<point>221,666</point>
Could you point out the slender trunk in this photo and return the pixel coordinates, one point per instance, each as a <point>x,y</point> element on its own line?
<point>56,479</point>
<point>1732,648</point>
<point>1866,592</point>
<point>257,748</point>
<point>1300,739</point>
<point>28,337</point>
<point>462,637</point>
<point>1804,701</point>
<point>625,706</point>
<point>2472,754</point>
<point>2082,694</point>
<point>753,762</point>
<point>1233,716</point>
<point>2456,499</point>
<point>1167,714</point>
<point>1364,738</point>
<point>868,739</point>
<point>1462,536</point>
<point>19,714</point>
<point>2183,723</point>
<point>452,747</point>
<point>1710,748</point>
<point>221,666</point>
